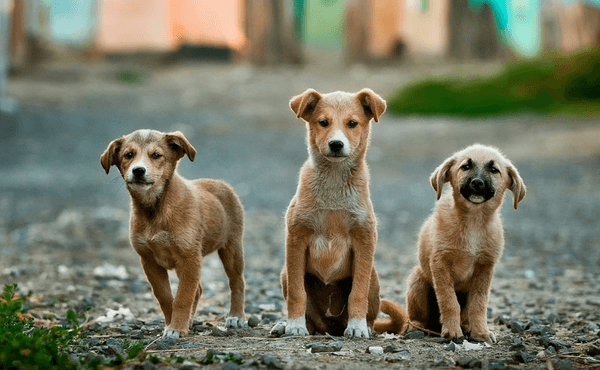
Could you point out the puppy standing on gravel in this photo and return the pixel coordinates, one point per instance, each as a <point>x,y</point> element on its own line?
<point>176,222</point>
<point>329,281</point>
<point>461,242</point>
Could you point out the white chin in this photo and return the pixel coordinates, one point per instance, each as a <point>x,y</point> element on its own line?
<point>336,159</point>
<point>140,187</point>
<point>477,199</point>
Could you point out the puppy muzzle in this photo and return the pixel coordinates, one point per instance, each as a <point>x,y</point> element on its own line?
<point>477,190</point>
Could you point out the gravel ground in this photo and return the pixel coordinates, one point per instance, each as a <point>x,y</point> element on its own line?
<point>64,236</point>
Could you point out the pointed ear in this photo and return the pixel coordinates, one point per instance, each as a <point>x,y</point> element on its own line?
<point>441,175</point>
<point>373,104</point>
<point>180,145</point>
<point>517,186</point>
<point>304,104</point>
<point>110,155</point>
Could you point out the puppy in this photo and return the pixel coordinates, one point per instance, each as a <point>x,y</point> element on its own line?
<point>328,280</point>
<point>460,243</point>
<point>176,222</point>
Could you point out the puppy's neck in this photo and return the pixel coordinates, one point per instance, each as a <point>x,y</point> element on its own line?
<point>151,203</point>
<point>475,215</point>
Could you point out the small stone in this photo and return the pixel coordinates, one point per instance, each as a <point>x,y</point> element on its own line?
<point>216,332</point>
<point>559,364</point>
<point>439,340</point>
<point>124,329</point>
<point>214,352</point>
<point>391,348</point>
<point>166,342</point>
<point>417,334</point>
<point>278,330</point>
<point>253,321</point>
<point>375,350</point>
<point>320,347</point>
<point>271,362</point>
<point>516,327</point>
<point>524,357</point>
<point>451,347</point>
<point>229,366</point>
<point>593,351</point>
<point>468,363</point>
<point>550,351</point>
<point>551,318</point>
<point>114,346</point>
<point>188,365</point>
<point>188,345</point>
<point>253,309</point>
<point>137,334</point>
<point>269,317</point>
<point>146,365</point>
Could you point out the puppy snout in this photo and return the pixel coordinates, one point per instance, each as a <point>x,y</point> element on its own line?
<point>477,184</point>
<point>336,146</point>
<point>138,171</point>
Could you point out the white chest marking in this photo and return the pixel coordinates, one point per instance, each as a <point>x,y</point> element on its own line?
<point>474,240</point>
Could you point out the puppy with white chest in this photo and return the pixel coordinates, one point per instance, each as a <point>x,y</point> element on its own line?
<point>175,222</point>
<point>328,280</point>
<point>461,242</point>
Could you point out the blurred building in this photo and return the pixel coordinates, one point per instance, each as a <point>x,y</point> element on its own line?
<point>285,31</point>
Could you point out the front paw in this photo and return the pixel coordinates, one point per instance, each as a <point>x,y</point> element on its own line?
<point>174,333</point>
<point>357,328</point>
<point>234,322</point>
<point>296,327</point>
<point>488,337</point>
<point>451,331</point>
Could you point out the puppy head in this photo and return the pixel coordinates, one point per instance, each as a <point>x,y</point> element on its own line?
<point>339,122</point>
<point>146,159</point>
<point>479,174</point>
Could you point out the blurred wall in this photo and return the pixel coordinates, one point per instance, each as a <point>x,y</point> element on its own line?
<point>386,27</point>
<point>426,27</point>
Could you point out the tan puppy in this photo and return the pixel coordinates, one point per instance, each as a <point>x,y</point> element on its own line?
<point>176,222</point>
<point>461,242</point>
<point>328,280</point>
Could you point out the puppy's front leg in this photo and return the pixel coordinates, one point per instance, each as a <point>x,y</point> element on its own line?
<point>158,277</point>
<point>363,241</point>
<point>443,284</point>
<point>477,302</point>
<point>295,264</point>
<point>188,272</point>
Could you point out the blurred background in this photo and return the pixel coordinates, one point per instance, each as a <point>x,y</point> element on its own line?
<point>522,75</point>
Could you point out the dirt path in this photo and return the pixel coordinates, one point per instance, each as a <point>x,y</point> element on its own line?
<point>62,219</point>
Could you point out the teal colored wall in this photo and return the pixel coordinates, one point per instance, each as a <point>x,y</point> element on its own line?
<point>325,24</point>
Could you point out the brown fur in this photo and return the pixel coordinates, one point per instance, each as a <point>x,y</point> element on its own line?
<point>176,222</point>
<point>329,279</point>
<point>460,244</point>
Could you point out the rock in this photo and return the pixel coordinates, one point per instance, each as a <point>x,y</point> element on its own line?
<point>391,348</point>
<point>451,347</point>
<point>253,321</point>
<point>166,342</point>
<point>137,334</point>
<point>559,364</point>
<point>271,362</point>
<point>375,350</point>
<point>146,365</point>
<point>250,363</point>
<point>216,332</point>
<point>278,330</point>
<point>114,346</point>
<point>214,352</point>
<point>538,330</point>
<point>550,351</point>
<point>188,365</point>
<point>524,357</point>
<point>468,363</point>
<point>417,334</point>
<point>253,309</point>
<point>188,345</point>
<point>108,271</point>
<point>329,347</point>
<point>593,350</point>
<point>439,340</point>
<point>229,366</point>
<point>269,317</point>
<point>443,362</point>
<point>516,327</point>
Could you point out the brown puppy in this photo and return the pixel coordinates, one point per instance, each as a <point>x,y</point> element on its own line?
<point>461,242</point>
<point>176,222</point>
<point>329,281</point>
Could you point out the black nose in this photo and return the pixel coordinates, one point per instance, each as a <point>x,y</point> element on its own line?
<point>477,184</point>
<point>336,146</point>
<point>138,171</point>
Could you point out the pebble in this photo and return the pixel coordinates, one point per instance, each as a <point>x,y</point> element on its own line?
<point>137,334</point>
<point>146,365</point>
<point>269,317</point>
<point>391,348</point>
<point>375,350</point>
<point>166,342</point>
<point>468,363</point>
<point>451,347</point>
<point>188,345</point>
<point>216,332</point>
<point>253,321</point>
<point>417,334</point>
<point>271,362</point>
<point>516,327</point>
<point>329,347</point>
<point>114,345</point>
<point>524,357</point>
<point>188,365</point>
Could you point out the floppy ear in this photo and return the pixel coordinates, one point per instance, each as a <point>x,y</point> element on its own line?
<point>109,157</point>
<point>517,186</point>
<point>304,104</point>
<point>440,176</point>
<point>373,104</point>
<point>180,145</point>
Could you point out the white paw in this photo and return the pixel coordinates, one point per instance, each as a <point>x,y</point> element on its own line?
<point>357,328</point>
<point>234,322</point>
<point>170,333</point>
<point>278,329</point>
<point>296,327</point>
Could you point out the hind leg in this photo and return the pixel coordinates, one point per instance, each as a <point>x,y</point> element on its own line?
<point>195,305</point>
<point>232,256</point>
<point>417,299</point>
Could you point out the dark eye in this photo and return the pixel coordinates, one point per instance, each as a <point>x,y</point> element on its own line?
<point>156,155</point>
<point>494,170</point>
<point>323,123</point>
<point>128,155</point>
<point>352,124</point>
<point>465,167</point>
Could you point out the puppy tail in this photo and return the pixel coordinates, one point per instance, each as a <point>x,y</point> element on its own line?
<point>398,321</point>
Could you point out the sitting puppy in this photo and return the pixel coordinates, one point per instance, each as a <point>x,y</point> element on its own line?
<point>176,222</point>
<point>329,281</point>
<point>461,242</point>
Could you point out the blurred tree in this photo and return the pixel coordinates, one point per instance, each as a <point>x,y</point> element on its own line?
<point>472,31</point>
<point>270,33</point>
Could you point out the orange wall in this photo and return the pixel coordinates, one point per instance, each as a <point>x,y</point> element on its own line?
<point>386,24</point>
<point>426,32</point>
<point>162,25</point>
